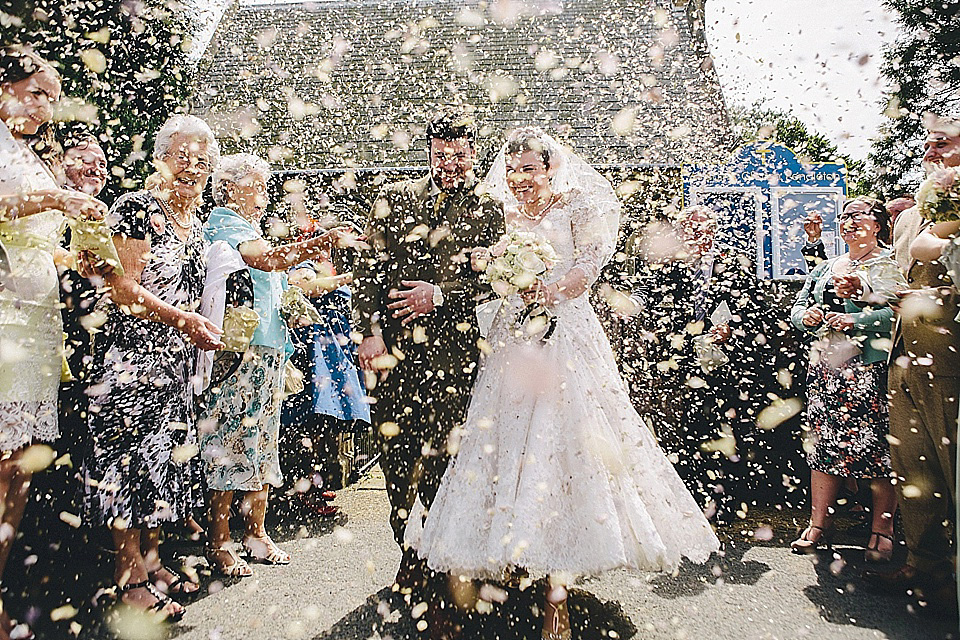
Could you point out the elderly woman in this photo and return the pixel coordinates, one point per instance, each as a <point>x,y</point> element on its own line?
<point>32,209</point>
<point>241,425</point>
<point>846,381</point>
<point>138,471</point>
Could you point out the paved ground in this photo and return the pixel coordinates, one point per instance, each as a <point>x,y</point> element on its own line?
<point>336,590</point>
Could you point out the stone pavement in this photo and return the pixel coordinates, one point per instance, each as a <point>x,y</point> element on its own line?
<point>336,590</point>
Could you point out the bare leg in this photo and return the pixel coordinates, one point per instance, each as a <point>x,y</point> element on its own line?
<point>220,553</point>
<point>131,568</point>
<point>14,489</point>
<point>255,512</point>
<point>150,544</point>
<point>220,502</point>
<point>884,508</point>
<point>256,539</point>
<point>823,493</point>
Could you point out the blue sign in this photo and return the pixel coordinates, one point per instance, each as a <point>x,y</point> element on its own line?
<point>761,198</point>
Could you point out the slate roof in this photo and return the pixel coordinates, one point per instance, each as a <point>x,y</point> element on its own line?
<point>335,84</point>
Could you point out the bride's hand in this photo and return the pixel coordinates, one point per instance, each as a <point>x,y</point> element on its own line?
<point>543,294</point>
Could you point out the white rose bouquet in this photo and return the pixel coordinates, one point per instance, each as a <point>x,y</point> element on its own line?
<point>517,262</point>
<point>938,198</point>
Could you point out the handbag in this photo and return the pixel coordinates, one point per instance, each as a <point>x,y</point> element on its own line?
<point>240,320</point>
<point>292,380</point>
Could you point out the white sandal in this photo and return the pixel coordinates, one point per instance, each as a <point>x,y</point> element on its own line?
<point>265,550</point>
<point>236,568</point>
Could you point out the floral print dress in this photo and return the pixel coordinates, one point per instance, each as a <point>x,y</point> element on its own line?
<point>240,426</point>
<point>141,467</point>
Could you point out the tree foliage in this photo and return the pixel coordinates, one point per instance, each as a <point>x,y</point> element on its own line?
<point>759,123</point>
<point>923,67</point>
<point>124,67</point>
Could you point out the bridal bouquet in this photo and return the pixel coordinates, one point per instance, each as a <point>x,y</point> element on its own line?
<point>938,198</point>
<point>517,262</point>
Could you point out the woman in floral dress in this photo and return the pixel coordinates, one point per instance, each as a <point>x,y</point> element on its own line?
<point>847,412</point>
<point>138,470</point>
<point>241,419</point>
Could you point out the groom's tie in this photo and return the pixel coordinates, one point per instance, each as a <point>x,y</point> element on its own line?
<point>439,207</point>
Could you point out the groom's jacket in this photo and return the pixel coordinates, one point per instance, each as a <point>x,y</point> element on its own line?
<point>413,237</point>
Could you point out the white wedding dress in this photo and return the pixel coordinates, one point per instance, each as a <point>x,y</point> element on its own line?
<point>556,471</point>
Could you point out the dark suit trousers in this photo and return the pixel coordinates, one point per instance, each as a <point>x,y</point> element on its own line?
<point>923,419</point>
<point>423,409</point>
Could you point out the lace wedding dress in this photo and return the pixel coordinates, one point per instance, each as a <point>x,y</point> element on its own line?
<point>556,472</point>
<point>31,333</point>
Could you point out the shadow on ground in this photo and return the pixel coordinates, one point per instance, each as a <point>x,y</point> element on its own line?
<point>519,618</point>
<point>693,579</point>
<point>843,598</point>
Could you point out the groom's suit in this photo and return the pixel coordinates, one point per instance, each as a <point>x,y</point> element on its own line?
<point>417,233</point>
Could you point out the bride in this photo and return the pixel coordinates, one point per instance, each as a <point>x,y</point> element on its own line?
<point>556,473</point>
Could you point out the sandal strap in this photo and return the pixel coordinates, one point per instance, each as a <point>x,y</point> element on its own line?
<point>237,564</point>
<point>130,586</point>
<point>178,578</point>
<point>882,535</point>
<point>274,553</point>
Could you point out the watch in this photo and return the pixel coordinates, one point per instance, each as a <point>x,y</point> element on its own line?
<point>437,295</point>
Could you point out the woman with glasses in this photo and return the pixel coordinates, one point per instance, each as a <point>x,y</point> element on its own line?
<point>847,418</point>
<point>139,469</point>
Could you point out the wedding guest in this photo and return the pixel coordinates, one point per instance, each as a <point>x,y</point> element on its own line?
<point>32,210</point>
<point>333,403</point>
<point>896,206</point>
<point>138,470</point>
<point>923,387</point>
<point>240,428</point>
<point>846,389</point>
<point>703,288</point>
<point>84,165</point>
<point>85,170</point>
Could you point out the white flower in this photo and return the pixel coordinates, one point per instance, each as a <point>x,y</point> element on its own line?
<point>531,262</point>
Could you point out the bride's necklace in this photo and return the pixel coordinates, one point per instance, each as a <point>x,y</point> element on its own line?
<point>168,210</point>
<point>540,214</point>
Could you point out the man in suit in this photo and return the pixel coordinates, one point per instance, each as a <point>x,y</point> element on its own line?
<point>416,297</point>
<point>717,418</point>
<point>924,383</point>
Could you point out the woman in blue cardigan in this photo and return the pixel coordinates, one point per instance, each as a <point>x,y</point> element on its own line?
<point>847,418</point>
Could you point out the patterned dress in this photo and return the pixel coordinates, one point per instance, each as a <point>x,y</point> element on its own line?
<point>31,334</point>
<point>141,465</point>
<point>847,413</point>
<point>240,429</point>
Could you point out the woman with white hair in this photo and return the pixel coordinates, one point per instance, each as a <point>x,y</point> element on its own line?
<point>137,470</point>
<point>241,418</point>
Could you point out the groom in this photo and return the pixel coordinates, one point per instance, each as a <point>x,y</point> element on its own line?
<point>416,297</point>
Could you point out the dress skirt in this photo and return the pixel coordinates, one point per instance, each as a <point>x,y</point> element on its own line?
<point>847,418</point>
<point>555,471</point>
<point>240,427</point>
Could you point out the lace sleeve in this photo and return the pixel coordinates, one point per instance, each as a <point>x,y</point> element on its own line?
<point>595,222</point>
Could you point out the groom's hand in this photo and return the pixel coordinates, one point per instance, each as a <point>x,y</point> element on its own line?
<point>413,302</point>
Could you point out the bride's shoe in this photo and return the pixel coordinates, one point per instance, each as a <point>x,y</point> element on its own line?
<point>806,542</point>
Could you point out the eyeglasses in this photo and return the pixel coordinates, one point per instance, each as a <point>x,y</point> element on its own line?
<point>184,159</point>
